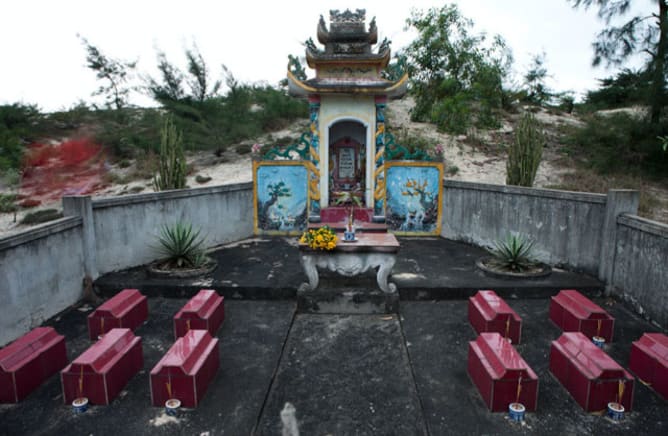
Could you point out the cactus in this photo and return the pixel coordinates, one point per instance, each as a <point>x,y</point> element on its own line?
<point>525,154</point>
<point>172,167</point>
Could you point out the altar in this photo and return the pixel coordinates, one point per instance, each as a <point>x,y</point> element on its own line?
<point>368,251</point>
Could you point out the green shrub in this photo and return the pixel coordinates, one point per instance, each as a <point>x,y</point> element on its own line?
<point>243,149</point>
<point>41,216</point>
<point>621,143</point>
<point>525,153</point>
<point>513,254</point>
<point>172,168</point>
<point>182,246</point>
<point>8,203</point>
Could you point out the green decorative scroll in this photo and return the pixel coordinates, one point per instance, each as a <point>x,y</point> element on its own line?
<point>394,151</point>
<point>302,148</point>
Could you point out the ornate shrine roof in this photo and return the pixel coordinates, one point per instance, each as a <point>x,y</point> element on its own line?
<point>347,64</point>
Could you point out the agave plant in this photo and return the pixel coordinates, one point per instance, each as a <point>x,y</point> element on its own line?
<point>181,246</point>
<point>513,253</point>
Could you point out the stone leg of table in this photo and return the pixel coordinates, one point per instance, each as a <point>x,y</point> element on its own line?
<point>349,265</point>
<point>349,298</point>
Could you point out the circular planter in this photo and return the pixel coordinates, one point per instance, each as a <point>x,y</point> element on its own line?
<point>540,270</point>
<point>156,269</point>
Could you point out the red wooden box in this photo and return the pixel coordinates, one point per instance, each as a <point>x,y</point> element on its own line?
<point>204,311</point>
<point>101,372</point>
<point>489,313</point>
<point>573,312</point>
<point>28,361</point>
<point>649,360</point>
<point>589,374</point>
<point>186,370</point>
<point>127,309</point>
<point>500,374</point>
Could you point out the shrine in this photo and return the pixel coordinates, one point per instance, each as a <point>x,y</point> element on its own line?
<point>347,98</point>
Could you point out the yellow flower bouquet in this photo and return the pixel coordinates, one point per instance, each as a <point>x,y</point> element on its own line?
<point>322,238</point>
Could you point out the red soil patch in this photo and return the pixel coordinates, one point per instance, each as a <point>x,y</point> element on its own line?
<point>73,167</point>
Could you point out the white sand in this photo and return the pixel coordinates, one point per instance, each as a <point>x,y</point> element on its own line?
<point>472,165</point>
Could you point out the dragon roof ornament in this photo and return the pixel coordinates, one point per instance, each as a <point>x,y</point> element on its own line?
<point>347,16</point>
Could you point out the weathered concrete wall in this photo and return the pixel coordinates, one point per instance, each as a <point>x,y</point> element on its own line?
<point>41,274</point>
<point>640,272</point>
<point>126,227</point>
<point>567,226</point>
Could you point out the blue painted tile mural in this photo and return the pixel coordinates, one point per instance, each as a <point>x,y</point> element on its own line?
<point>414,197</point>
<point>281,197</point>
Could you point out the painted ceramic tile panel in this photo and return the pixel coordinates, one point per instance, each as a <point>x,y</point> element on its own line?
<point>281,197</point>
<point>414,197</point>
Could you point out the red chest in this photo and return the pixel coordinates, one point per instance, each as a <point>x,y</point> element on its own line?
<point>205,311</point>
<point>30,360</point>
<point>591,376</point>
<point>649,361</point>
<point>127,309</point>
<point>573,312</point>
<point>489,313</point>
<point>186,370</point>
<point>500,374</point>
<point>101,372</point>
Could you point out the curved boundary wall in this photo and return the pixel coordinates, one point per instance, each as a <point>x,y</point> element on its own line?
<point>42,270</point>
<point>598,234</point>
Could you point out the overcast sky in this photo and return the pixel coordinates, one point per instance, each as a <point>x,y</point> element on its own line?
<point>43,61</point>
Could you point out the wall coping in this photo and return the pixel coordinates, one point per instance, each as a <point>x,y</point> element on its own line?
<point>643,224</point>
<point>39,232</point>
<point>585,197</point>
<point>124,200</point>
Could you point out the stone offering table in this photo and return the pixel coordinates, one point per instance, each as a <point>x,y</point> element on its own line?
<point>370,250</point>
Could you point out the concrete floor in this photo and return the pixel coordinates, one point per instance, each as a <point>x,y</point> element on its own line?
<point>399,374</point>
<point>396,374</point>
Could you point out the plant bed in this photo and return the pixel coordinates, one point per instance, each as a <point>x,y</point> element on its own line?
<point>538,270</point>
<point>165,269</point>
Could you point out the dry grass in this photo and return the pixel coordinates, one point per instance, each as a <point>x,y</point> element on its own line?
<point>653,201</point>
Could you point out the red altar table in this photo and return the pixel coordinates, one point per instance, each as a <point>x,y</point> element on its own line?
<point>204,311</point>
<point>101,372</point>
<point>127,309</point>
<point>500,374</point>
<point>29,361</point>
<point>591,376</point>
<point>573,312</point>
<point>186,370</point>
<point>649,361</point>
<point>488,312</point>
